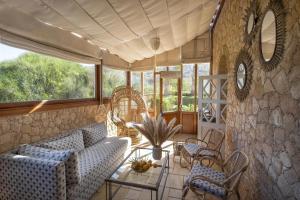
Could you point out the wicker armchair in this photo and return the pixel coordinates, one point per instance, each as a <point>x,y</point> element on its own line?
<point>127,105</point>
<point>203,179</point>
<point>209,145</point>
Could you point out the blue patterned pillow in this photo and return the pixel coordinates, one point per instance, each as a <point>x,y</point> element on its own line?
<point>69,157</point>
<point>94,133</point>
<point>72,141</point>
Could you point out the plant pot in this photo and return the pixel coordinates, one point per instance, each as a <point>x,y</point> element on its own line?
<point>157,153</point>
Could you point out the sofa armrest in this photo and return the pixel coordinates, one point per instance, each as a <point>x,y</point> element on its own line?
<point>23,177</point>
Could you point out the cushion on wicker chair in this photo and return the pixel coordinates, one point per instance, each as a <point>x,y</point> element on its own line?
<point>205,185</point>
<point>192,149</point>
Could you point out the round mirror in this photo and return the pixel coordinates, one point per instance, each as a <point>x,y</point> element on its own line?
<point>250,23</point>
<point>241,76</point>
<point>268,36</point>
<point>243,70</point>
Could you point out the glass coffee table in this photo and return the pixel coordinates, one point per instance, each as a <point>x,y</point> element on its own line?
<point>152,182</point>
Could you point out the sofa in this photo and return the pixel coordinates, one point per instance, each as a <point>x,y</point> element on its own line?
<point>70,166</point>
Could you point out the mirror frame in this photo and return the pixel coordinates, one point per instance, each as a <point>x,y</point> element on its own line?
<point>255,10</point>
<point>276,6</point>
<point>245,58</point>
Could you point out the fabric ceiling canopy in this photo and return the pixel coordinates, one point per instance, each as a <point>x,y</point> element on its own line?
<point>196,50</point>
<point>122,27</point>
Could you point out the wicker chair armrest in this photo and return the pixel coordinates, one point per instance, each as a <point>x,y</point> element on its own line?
<point>196,140</point>
<point>213,160</point>
<point>204,178</point>
<point>216,152</point>
<point>118,120</point>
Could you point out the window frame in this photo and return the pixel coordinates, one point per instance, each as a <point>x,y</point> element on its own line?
<point>28,107</point>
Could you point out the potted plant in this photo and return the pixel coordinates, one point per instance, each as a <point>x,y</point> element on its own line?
<point>157,131</point>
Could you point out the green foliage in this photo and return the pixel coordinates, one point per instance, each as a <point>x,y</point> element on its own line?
<point>112,79</point>
<point>33,76</point>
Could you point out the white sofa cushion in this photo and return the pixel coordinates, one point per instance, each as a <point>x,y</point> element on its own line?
<point>94,133</point>
<point>96,163</point>
<point>69,157</point>
<point>73,141</point>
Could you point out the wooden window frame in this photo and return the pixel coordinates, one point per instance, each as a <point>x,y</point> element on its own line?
<point>28,107</point>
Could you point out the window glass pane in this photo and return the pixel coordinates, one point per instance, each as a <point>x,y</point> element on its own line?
<point>174,68</point>
<point>203,69</point>
<point>157,80</point>
<point>188,87</point>
<point>170,95</point>
<point>112,78</point>
<point>149,88</point>
<point>136,81</point>
<point>28,76</point>
<point>161,68</point>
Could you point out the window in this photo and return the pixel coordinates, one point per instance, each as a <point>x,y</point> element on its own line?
<point>174,68</point>
<point>161,68</point>
<point>27,76</point>
<point>170,95</point>
<point>112,78</point>
<point>149,88</point>
<point>203,69</point>
<point>188,87</point>
<point>136,81</point>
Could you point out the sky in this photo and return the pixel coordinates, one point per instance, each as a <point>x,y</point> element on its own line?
<point>8,53</point>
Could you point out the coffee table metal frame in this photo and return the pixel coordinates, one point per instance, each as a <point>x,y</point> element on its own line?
<point>153,189</point>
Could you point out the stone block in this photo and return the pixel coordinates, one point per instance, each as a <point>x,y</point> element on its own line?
<point>295,89</point>
<point>296,188</point>
<point>263,116</point>
<point>279,136</point>
<point>280,82</point>
<point>268,87</point>
<point>285,159</point>
<point>289,122</point>
<point>290,176</point>
<point>274,100</point>
<point>290,148</point>
<point>284,186</point>
<point>276,117</point>
<point>255,106</point>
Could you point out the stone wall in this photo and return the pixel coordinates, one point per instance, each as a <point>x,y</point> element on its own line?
<point>20,129</point>
<point>266,126</point>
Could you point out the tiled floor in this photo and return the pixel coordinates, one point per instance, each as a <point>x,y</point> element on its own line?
<point>173,190</point>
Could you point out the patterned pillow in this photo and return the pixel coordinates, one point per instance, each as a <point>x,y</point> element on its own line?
<point>69,157</point>
<point>94,133</point>
<point>72,141</point>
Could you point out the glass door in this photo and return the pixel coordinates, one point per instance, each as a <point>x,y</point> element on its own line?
<point>170,96</point>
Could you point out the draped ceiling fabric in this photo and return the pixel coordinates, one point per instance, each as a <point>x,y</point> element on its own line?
<point>122,27</point>
<point>196,50</point>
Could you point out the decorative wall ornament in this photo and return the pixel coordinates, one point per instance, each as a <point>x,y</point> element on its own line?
<point>272,35</point>
<point>243,74</point>
<point>251,19</point>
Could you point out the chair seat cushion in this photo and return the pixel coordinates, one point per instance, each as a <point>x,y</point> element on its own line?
<point>69,157</point>
<point>192,149</point>
<point>205,185</point>
<point>73,141</point>
<point>94,133</point>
